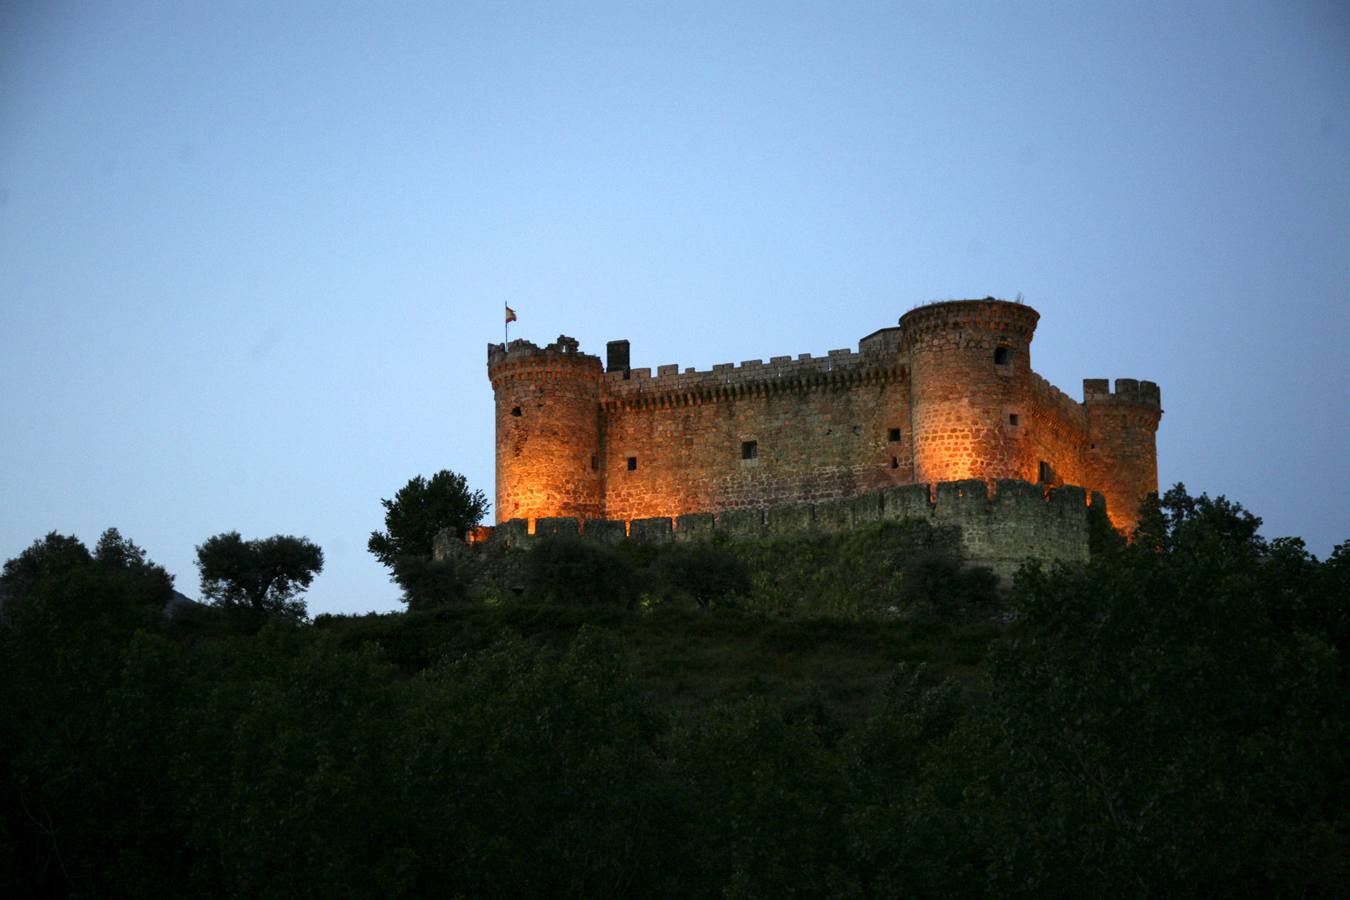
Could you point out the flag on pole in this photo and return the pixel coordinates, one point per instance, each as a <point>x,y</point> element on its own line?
<point>510,314</point>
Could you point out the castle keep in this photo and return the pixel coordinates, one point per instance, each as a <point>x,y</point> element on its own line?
<point>947,395</point>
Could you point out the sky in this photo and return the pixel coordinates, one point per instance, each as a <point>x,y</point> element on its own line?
<point>251,254</point>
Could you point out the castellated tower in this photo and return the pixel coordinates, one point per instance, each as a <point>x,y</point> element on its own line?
<point>1122,456</point>
<point>548,430</point>
<point>970,389</point>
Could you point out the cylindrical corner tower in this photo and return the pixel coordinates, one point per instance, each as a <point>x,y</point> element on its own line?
<point>1123,454</point>
<point>970,389</point>
<point>548,430</point>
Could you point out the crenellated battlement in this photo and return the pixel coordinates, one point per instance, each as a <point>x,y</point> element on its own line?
<point>956,323</point>
<point>1002,525</point>
<point>838,368</point>
<point>522,354</point>
<point>1128,390</point>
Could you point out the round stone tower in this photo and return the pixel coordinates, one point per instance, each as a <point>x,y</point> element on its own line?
<point>548,430</point>
<point>970,389</point>
<point>1123,454</point>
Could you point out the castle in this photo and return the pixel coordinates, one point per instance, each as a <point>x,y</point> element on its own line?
<point>947,395</point>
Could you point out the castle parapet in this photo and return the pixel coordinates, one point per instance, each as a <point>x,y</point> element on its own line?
<point>781,373</point>
<point>1001,526</point>
<point>1128,390</point>
<point>563,349</point>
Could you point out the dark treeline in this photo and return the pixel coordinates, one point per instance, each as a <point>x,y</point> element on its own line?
<point>1170,720</point>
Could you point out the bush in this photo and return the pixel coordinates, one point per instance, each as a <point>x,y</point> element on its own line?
<point>574,572</point>
<point>428,583</point>
<point>706,572</point>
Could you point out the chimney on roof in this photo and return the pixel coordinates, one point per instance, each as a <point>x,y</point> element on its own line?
<point>616,357</point>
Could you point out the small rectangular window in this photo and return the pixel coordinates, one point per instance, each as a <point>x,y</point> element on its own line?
<point>595,462</point>
<point>1046,475</point>
<point>632,463</point>
<point>1012,418</point>
<point>893,435</point>
<point>749,449</point>
<point>1002,356</point>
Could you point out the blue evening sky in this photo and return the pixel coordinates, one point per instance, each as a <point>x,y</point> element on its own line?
<point>251,254</point>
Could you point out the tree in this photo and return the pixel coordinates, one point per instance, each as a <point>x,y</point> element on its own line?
<point>1167,720</point>
<point>53,555</point>
<point>64,556</point>
<point>572,572</point>
<point>709,573</point>
<point>421,508</point>
<point>262,576</point>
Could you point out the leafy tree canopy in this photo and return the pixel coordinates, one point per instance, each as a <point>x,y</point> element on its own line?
<point>58,556</point>
<point>420,509</point>
<point>264,576</point>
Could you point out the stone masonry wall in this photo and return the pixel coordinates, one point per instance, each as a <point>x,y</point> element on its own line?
<point>971,367</point>
<point>783,432</point>
<point>548,430</point>
<point>1000,528</point>
<point>1122,459</point>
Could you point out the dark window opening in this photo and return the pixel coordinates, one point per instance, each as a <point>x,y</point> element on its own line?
<point>595,462</point>
<point>1012,418</point>
<point>632,463</point>
<point>1002,356</point>
<point>1046,474</point>
<point>515,411</point>
<point>893,435</point>
<point>895,462</point>
<point>856,429</point>
<point>749,449</point>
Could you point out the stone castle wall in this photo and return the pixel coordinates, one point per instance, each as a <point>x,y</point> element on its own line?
<point>947,395</point>
<point>1000,527</point>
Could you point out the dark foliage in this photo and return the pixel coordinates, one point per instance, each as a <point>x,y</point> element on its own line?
<point>260,577</point>
<point>415,515</point>
<point>412,519</point>
<point>1169,720</point>
<point>429,583</point>
<point>573,572</point>
<point>708,572</point>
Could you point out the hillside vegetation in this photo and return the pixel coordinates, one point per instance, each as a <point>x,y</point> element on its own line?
<point>807,717</point>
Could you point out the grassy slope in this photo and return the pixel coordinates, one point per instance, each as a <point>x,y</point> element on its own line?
<point>832,668</point>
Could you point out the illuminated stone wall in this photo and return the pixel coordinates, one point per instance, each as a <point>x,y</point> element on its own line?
<point>948,395</point>
<point>548,431</point>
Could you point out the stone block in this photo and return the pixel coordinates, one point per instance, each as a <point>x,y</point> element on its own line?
<point>511,534</point>
<point>792,519</point>
<point>741,522</point>
<point>834,515</point>
<point>560,526</point>
<point>694,526</point>
<point>908,501</point>
<point>866,508</point>
<point>604,531</point>
<point>650,531</point>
